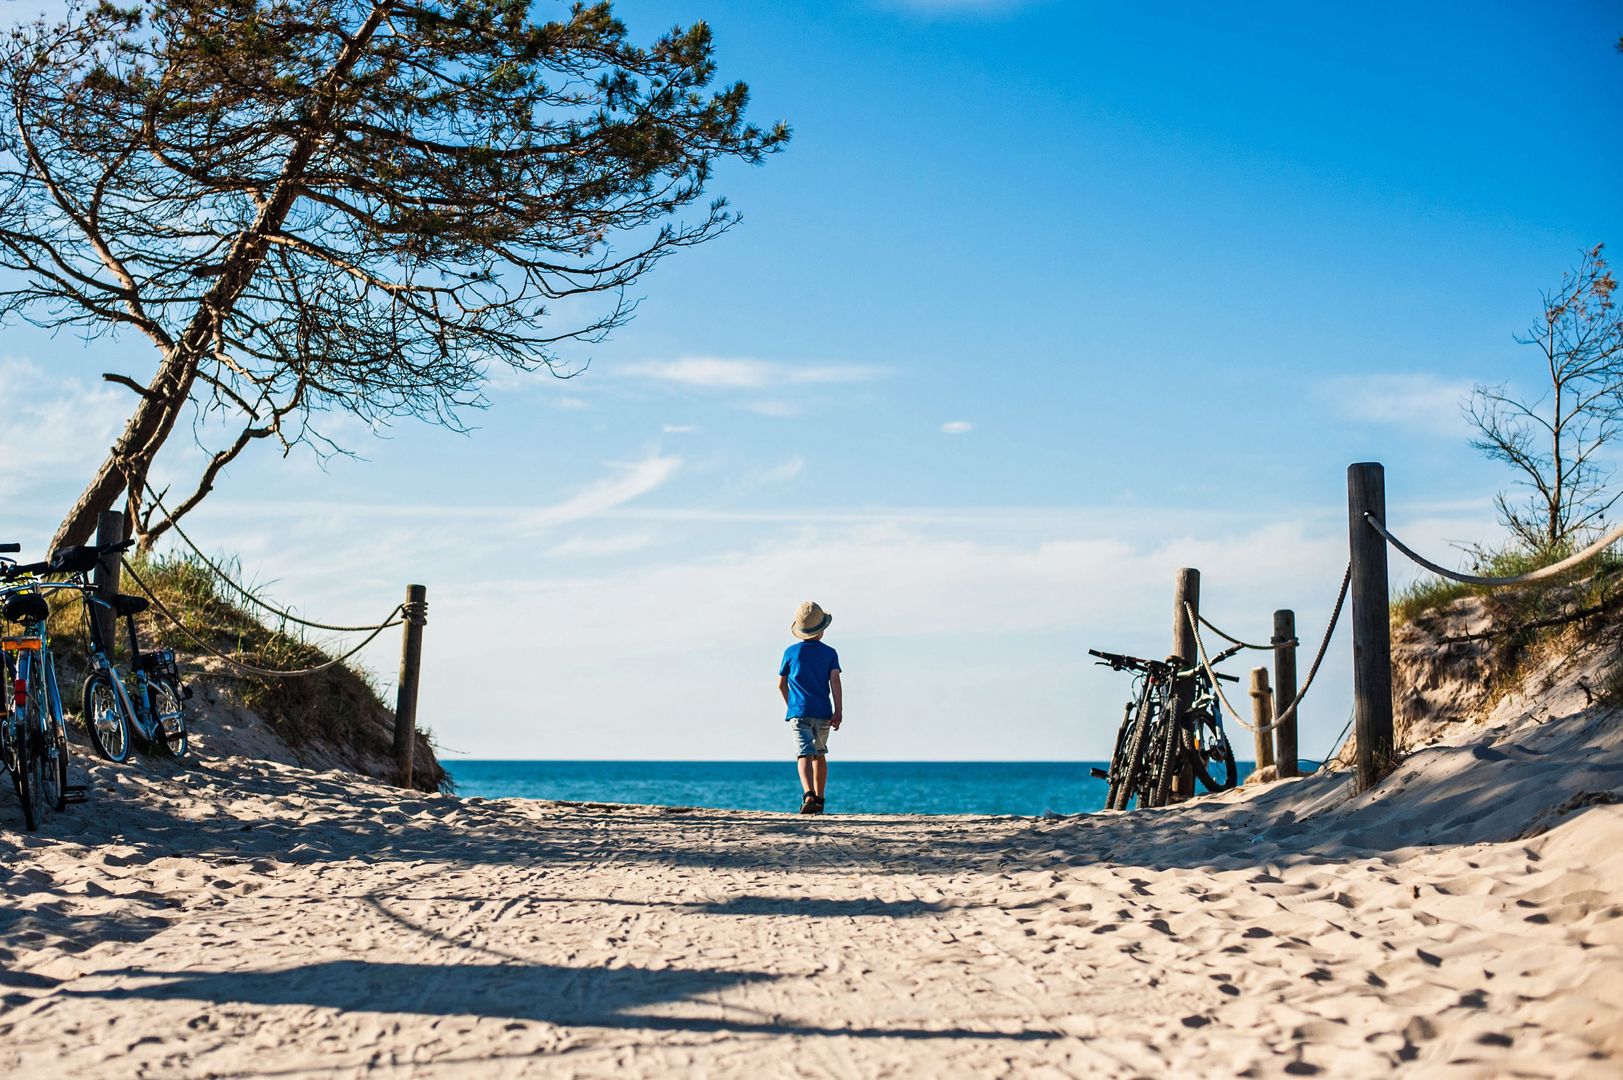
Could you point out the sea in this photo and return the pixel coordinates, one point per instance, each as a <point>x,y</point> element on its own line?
<point>1023,788</point>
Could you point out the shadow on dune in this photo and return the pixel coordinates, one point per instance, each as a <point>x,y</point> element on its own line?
<point>1499,787</point>
<point>546,993</point>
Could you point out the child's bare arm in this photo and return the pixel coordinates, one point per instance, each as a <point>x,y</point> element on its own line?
<point>839,698</point>
<point>783,687</point>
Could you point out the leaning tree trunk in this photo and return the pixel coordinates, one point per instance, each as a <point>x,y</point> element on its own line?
<point>127,463</point>
<point>125,469</point>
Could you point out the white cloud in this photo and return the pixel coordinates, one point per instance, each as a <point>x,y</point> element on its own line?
<point>634,480</point>
<point>571,404</point>
<point>1415,400</point>
<point>717,373</point>
<point>680,429</point>
<point>957,427</point>
<point>55,426</point>
<point>775,475</point>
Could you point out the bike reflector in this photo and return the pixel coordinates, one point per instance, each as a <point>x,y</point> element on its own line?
<point>19,694</point>
<point>12,644</point>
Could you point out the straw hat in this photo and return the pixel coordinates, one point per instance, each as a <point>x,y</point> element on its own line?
<point>810,620</point>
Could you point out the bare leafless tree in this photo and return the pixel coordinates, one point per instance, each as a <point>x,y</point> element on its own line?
<point>1555,440</point>
<point>362,206</point>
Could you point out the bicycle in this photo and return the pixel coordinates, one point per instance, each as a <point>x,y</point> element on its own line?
<point>155,713</point>
<point>1160,742</point>
<point>33,737</point>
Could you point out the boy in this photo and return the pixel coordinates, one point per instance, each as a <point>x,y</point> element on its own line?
<point>808,679</point>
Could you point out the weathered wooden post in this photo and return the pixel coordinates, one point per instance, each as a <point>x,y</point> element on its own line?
<point>1284,642</point>
<point>411,662</point>
<point>1371,623</point>
<point>1185,605</point>
<point>107,576</point>
<point>1262,715</point>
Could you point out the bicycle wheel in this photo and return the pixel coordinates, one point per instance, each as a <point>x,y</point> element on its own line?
<point>171,716</point>
<point>1168,756</point>
<point>104,716</point>
<point>1118,761</point>
<point>24,775</point>
<point>50,745</point>
<point>1214,764</point>
<point>1137,773</point>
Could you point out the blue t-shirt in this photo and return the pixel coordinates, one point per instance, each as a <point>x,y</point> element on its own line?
<point>808,664</point>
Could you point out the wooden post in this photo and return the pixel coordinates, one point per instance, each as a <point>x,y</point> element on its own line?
<point>1284,643</point>
<point>106,577</point>
<point>411,662</point>
<point>1262,714</point>
<point>1371,623</point>
<point>1186,591</point>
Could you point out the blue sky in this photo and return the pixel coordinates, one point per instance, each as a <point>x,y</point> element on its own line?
<point>1043,301</point>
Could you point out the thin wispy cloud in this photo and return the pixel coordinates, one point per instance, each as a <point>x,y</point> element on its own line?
<point>633,481</point>
<point>1419,401</point>
<point>720,373</point>
<point>54,425</point>
<point>775,475</point>
<point>957,427</point>
<point>680,429</point>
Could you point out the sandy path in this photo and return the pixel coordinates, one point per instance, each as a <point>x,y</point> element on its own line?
<point>252,919</point>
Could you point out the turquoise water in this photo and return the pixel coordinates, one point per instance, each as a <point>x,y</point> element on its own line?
<point>854,787</point>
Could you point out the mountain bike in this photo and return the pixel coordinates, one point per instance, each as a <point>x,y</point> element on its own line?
<point>33,737</point>
<point>1159,742</point>
<point>1142,718</point>
<point>155,712</point>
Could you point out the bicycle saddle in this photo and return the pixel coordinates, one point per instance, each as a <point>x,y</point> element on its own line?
<point>26,607</point>
<point>125,604</point>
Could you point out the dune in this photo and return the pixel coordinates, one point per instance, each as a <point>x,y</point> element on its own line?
<point>243,917</point>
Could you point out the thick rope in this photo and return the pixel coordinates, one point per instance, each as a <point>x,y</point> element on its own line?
<point>249,668</point>
<point>241,590</point>
<point>1517,579</point>
<point>1230,638</point>
<point>1290,711</point>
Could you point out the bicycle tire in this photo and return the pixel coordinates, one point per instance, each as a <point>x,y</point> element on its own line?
<point>1218,752</point>
<point>23,776</point>
<point>51,749</point>
<point>1117,761</point>
<point>104,717</point>
<point>1134,774</point>
<point>1169,756</point>
<point>171,737</point>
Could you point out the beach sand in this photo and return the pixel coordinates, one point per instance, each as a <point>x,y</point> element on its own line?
<point>246,918</point>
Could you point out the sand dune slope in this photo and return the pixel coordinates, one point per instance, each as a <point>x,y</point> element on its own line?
<point>252,919</point>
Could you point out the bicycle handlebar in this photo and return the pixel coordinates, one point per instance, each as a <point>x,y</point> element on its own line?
<point>10,549</point>
<point>79,559</point>
<point>1121,662</point>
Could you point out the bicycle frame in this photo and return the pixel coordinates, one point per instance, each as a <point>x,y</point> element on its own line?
<point>143,715</point>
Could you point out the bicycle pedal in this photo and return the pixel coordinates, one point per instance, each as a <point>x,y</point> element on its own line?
<point>1098,773</point>
<point>76,793</point>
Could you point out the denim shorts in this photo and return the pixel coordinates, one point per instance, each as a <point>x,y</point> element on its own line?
<point>812,736</point>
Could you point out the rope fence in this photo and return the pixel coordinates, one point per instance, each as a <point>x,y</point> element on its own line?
<point>1290,711</point>
<point>249,596</point>
<point>1553,570</point>
<point>396,617</point>
<point>1231,639</point>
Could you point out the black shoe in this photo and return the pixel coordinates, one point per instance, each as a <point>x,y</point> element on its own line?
<point>817,804</point>
<point>810,804</point>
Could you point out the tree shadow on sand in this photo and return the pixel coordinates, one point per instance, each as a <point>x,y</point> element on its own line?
<point>546,993</point>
